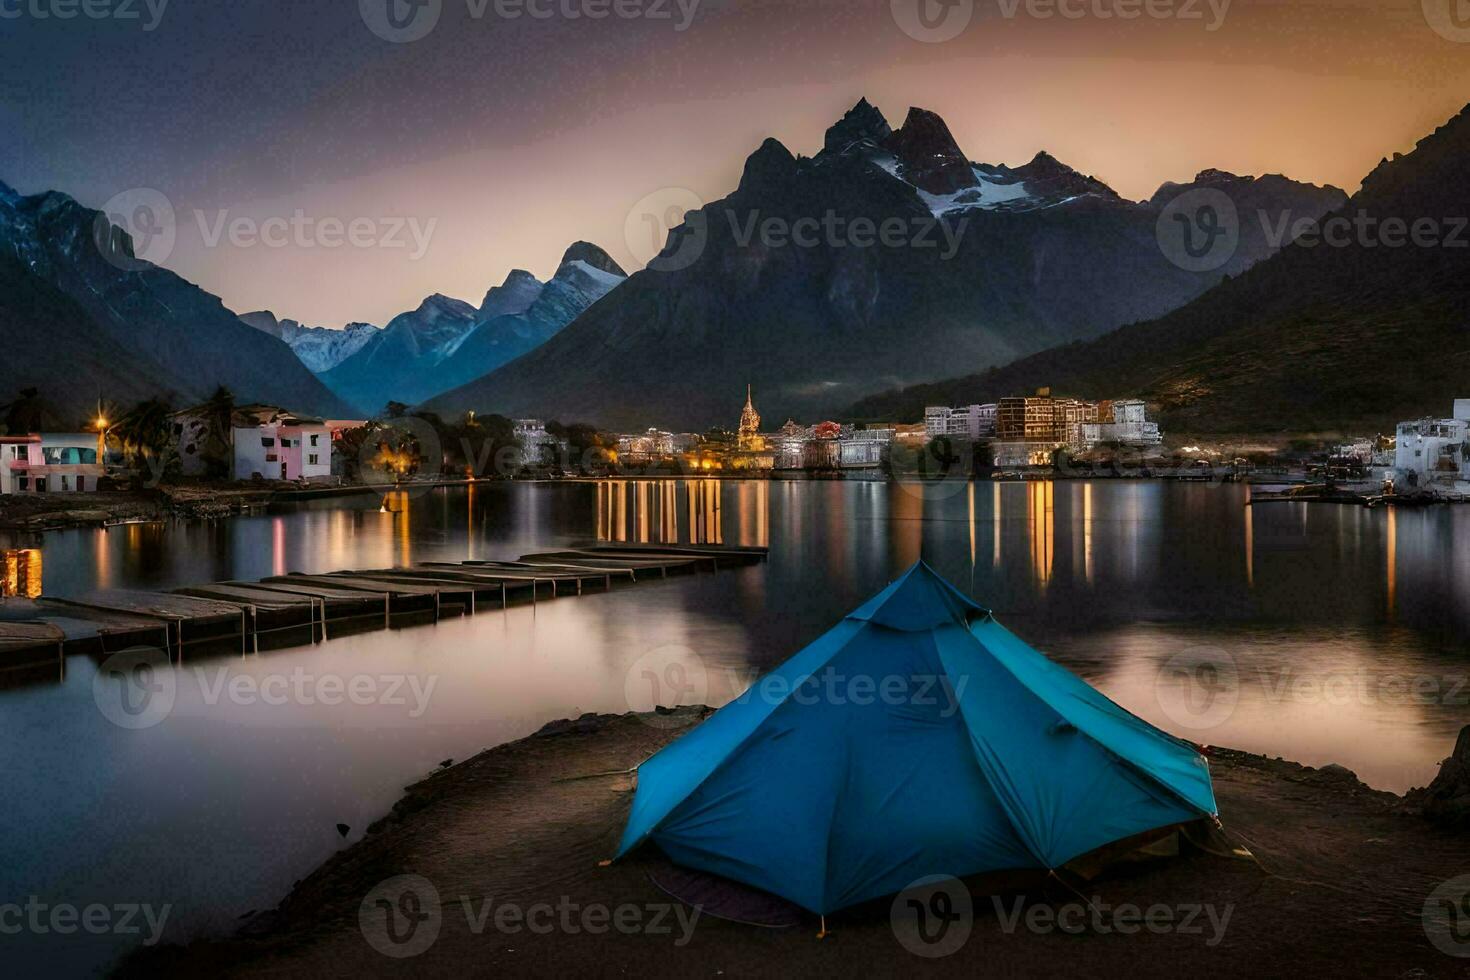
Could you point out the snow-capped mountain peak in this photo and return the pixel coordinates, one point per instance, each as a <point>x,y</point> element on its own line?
<point>319,348</point>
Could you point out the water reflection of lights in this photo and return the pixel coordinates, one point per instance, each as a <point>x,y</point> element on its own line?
<point>682,511</point>
<point>1392,545</point>
<point>20,573</point>
<point>1040,514</point>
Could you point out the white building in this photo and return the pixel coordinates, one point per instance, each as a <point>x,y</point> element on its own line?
<point>538,447</point>
<point>1130,427</point>
<point>265,443</point>
<point>656,444</point>
<point>970,422</point>
<point>864,448</point>
<point>1434,451</point>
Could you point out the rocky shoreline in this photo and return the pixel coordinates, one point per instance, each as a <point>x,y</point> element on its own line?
<point>57,511</point>
<point>1342,876</point>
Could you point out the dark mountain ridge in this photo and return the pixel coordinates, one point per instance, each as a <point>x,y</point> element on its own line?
<point>995,263</point>
<point>179,340</point>
<point>1321,336</point>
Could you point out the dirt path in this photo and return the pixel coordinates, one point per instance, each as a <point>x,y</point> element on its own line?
<point>1350,875</point>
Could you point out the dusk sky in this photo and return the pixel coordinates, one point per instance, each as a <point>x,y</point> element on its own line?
<point>504,140</point>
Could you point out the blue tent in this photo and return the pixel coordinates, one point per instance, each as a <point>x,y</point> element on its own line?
<point>917,737</point>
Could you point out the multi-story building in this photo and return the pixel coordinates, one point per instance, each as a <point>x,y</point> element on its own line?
<point>263,442</point>
<point>823,449</point>
<point>1434,451</point>
<point>1029,430</point>
<point>655,444</point>
<point>1030,419</point>
<point>1129,426</point>
<point>789,445</point>
<point>538,447</point>
<point>1072,416</point>
<point>864,448</point>
<point>18,455</point>
<point>50,463</point>
<point>970,422</point>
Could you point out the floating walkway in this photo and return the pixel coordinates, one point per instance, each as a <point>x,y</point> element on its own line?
<point>299,609</point>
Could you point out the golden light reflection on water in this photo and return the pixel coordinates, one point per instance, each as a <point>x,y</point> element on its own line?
<point>1087,529</point>
<point>102,559</point>
<point>1392,544</point>
<point>1041,517</point>
<point>683,511</point>
<point>996,525</point>
<point>971,524</point>
<point>1250,542</point>
<point>21,573</point>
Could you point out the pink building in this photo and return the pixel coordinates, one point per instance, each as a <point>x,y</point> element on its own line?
<point>65,463</point>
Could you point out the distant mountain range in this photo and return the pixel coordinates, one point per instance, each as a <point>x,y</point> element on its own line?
<point>1354,326</point>
<point>319,348</point>
<point>83,320</point>
<point>990,263</point>
<point>447,342</point>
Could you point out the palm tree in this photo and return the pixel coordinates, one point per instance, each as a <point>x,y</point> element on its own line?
<point>146,434</point>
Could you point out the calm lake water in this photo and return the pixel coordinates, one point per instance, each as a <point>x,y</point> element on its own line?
<point>1319,633</point>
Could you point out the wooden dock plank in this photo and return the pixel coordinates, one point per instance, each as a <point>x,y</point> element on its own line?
<point>17,637</point>
<point>242,594</point>
<point>163,604</point>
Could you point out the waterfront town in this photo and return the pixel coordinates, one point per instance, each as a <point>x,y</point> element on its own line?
<point>1037,435</point>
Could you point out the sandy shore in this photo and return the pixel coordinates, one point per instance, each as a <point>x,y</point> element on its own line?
<point>1343,878</point>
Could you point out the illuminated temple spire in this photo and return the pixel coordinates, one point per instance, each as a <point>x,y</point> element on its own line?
<point>750,424</point>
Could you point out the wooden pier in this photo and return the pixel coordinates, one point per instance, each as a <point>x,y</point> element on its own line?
<point>298,609</point>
